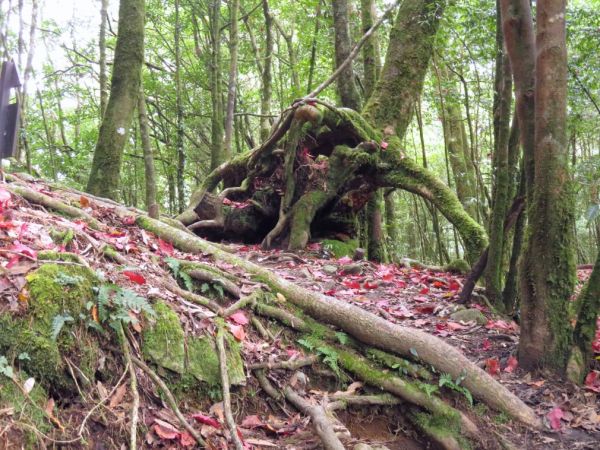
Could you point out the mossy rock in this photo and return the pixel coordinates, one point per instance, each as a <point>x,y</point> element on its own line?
<point>458,266</point>
<point>340,248</point>
<point>53,290</point>
<point>203,362</point>
<point>164,339</point>
<point>469,315</point>
<point>12,397</point>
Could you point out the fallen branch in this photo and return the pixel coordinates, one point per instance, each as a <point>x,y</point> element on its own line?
<point>225,389</point>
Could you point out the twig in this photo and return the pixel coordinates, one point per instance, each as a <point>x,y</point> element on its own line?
<point>100,403</point>
<point>135,406</point>
<point>225,387</point>
<point>169,398</point>
<point>264,332</point>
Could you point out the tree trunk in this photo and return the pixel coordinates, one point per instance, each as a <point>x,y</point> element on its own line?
<point>125,84</point>
<point>150,174</point>
<point>494,275</point>
<point>234,7</point>
<point>547,275</point>
<point>102,50</point>
<point>179,109</point>
<point>267,76</point>
<point>216,139</point>
<point>346,85</point>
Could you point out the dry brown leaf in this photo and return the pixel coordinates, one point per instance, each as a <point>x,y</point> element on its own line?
<point>117,397</point>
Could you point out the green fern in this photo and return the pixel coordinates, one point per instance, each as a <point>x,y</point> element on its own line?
<point>5,368</point>
<point>175,266</point>
<point>58,323</point>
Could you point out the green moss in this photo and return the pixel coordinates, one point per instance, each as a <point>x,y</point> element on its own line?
<point>53,255</point>
<point>164,339</point>
<point>64,237</point>
<point>12,397</point>
<point>53,290</point>
<point>340,248</point>
<point>203,362</point>
<point>458,266</point>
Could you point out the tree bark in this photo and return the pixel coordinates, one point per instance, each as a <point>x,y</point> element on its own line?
<point>494,275</point>
<point>346,84</point>
<point>267,76</point>
<point>216,135</point>
<point>547,275</point>
<point>150,174</point>
<point>234,7</point>
<point>125,84</point>
<point>102,49</point>
<point>179,111</point>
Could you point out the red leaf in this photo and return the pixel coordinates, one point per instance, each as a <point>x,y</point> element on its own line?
<point>454,285</point>
<point>165,247</point>
<point>511,364</point>
<point>135,277</point>
<point>165,430</point>
<point>592,381</point>
<point>206,420</point>
<point>554,417</point>
<point>23,249</point>
<point>370,285</point>
<point>424,291</point>
<point>84,201</point>
<point>383,145</point>
<point>239,317</point>
<point>492,366</point>
<point>352,284</point>
<point>252,422</point>
<point>438,284</point>
<point>5,198</point>
<point>425,309</point>
<point>486,345</point>
<point>186,439</point>
<point>330,292</point>
<point>345,260</point>
<point>237,331</point>
<point>453,326</point>
<point>12,261</point>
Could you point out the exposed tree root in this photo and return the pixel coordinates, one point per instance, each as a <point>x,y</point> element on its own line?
<point>365,326</point>
<point>317,413</point>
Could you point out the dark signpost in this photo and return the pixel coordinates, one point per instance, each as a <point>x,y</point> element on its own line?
<point>9,112</point>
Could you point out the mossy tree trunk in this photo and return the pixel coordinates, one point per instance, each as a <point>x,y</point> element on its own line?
<point>217,130</point>
<point>124,89</point>
<point>494,272</point>
<point>547,273</point>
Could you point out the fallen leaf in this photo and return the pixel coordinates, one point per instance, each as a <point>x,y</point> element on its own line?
<point>492,366</point>
<point>239,318</point>
<point>237,331</point>
<point>206,420</point>
<point>511,364</point>
<point>252,422</point>
<point>29,384</point>
<point>84,201</point>
<point>117,397</point>
<point>165,430</point>
<point>165,247</point>
<point>554,417</point>
<point>135,277</point>
<point>186,439</point>
<point>592,381</point>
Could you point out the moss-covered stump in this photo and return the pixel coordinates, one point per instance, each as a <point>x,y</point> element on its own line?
<point>203,362</point>
<point>166,345</point>
<point>164,339</point>
<point>49,326</point>
<point>340,248</point>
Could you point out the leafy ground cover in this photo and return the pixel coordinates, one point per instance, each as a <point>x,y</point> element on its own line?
<point>134,268</point>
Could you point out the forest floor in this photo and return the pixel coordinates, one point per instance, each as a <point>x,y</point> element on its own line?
<point>409,296</point>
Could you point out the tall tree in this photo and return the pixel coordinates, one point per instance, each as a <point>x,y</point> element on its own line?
<point>548,261</point>
<point>234,6</point>
<point>346,84</point>
<point>103,79</point>
<point>125,84</point>
<point>217,131</point>
<point>267,76</point>
<point>179,108</point>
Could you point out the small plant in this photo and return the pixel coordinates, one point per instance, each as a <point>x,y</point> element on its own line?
<point>58,323</point>
<point>5,368</point>
<point>68,280</point>
<point>175,266</point>
<point>115,303</point>
<point>446,380</point>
